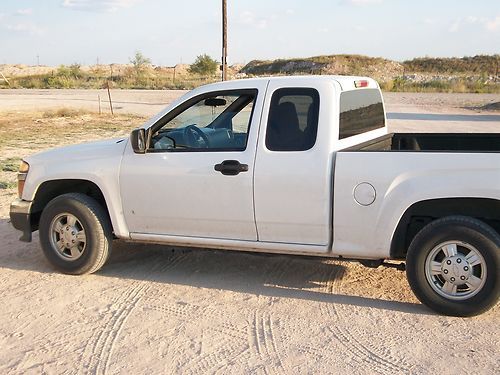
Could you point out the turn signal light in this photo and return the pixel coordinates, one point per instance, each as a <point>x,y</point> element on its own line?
<point>21,177</point>
<point>24,167</point>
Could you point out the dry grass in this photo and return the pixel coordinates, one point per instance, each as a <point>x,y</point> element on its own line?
<point>24,133</point>
<point>40,130</point>
<point>64,112</point>
<point>10,164</point>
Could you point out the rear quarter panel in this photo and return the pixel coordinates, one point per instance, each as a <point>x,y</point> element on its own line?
<point>400,180</point>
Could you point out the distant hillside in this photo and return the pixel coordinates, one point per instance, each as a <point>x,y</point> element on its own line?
<point>466,74</point>
<point>376,67</point>
<point>482,64</point>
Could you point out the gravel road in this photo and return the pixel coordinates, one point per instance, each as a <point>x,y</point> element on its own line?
<point>405,111</point>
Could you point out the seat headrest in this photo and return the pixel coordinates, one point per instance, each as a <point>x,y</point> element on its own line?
<point>286,118</point>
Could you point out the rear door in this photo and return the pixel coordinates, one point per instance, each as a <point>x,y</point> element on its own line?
<point>293,169</point>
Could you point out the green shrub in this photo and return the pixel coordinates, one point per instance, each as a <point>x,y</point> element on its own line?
<point>204,65</point>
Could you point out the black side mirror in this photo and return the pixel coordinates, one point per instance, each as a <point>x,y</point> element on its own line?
<point>138,141</point>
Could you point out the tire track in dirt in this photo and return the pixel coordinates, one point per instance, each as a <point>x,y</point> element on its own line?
<point>230,340</point>
<point>384,364</point>
<point>264,339</point>
<point>53,344</point>
<point>226,351</point>
<point>98,351</point>
<point>232,343</point>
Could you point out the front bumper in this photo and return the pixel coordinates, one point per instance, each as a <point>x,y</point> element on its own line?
<point>20,217</point>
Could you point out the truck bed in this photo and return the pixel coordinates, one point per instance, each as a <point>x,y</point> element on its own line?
<point>432,142</point>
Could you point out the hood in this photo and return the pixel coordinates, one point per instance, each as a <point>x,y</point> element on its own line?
<point>84,151</point>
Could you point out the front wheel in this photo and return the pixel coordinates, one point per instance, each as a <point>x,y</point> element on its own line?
<point>453,266</point>
<point>75,234</point>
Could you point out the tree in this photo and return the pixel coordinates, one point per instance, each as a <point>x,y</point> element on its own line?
<point>139,62</point>
<point>204,65</point>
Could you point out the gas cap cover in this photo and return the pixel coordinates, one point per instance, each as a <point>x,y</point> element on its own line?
<point>364,194</point>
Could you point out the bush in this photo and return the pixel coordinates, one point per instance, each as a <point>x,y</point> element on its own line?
<point>204,65</point>
<point>140,64</point>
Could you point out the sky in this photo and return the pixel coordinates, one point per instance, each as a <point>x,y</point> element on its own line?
<point>168,32</point>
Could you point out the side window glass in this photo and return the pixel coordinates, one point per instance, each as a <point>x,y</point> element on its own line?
<point>293,119</point>
<point>216,122</point>
<point>360,111</point>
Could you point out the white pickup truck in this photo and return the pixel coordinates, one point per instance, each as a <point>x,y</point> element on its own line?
<point>291,165</point>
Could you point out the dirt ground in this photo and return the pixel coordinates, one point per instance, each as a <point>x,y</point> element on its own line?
<point>156,309</point>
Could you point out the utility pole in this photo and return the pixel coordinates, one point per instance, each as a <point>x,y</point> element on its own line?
<point>224,40</point>
<point>37,60</point>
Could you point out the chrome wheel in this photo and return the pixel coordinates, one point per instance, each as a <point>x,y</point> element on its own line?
<point>67,236</point>
<point>455,270</point>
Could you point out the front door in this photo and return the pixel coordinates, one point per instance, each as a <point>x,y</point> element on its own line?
<point>196,179</point>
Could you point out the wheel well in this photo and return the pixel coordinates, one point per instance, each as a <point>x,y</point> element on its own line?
<point>51,189</point>
<point>422,213</point>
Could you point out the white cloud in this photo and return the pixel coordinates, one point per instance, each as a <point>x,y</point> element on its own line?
<point>250,19</point>
<point>494,24</point>
<point>25,28</point>
<point>24,12</point>
<point>290,11</point>
<point>489,24</point>
<point>98,5</point>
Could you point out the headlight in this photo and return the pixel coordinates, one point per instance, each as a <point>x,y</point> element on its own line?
<point>21,177</point>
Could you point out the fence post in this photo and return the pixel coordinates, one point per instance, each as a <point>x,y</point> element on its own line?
<point>109,95</point>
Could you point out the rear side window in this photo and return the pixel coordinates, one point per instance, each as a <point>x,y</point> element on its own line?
<point>293,119</point>
<point>360,112</point>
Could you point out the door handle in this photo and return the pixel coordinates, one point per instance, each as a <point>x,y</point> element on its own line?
<point>231,167</point>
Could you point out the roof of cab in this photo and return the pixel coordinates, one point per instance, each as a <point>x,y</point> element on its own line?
<point>346,82</point>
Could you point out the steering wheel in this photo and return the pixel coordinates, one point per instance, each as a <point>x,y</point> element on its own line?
<point>192,134</point>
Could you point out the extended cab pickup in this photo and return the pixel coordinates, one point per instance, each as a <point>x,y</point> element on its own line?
<point>292,165</point>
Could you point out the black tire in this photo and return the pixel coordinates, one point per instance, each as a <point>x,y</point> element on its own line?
<point>471,236</point>
<point>90,217</point>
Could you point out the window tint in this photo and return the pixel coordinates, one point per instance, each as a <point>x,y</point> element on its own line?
<point>360,112</point>
<point>293,119</point>
<point>211,122</point>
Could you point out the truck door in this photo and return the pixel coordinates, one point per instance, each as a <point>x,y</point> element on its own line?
<point>196,179</point>
<point>294,167</point>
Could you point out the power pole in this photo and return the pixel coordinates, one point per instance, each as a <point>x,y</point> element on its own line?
<point>224,40</point>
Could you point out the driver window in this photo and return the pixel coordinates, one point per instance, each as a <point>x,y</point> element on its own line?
<point>217,122</point>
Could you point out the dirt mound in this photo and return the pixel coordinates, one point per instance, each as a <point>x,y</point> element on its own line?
<point>376,67</point>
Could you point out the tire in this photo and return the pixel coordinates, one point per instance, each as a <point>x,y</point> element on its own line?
<point>75,234</point>
<point>453,266</point>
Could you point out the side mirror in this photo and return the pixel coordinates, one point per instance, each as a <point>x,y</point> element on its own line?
<point>138,141</point>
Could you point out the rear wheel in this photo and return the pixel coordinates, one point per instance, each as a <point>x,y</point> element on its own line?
<point>75,234</point>
<point>453,266</point>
